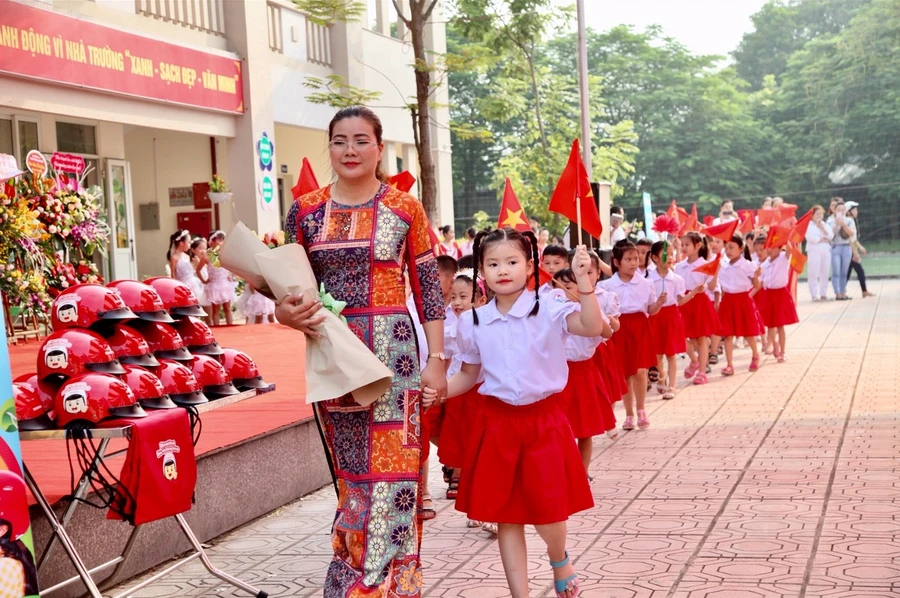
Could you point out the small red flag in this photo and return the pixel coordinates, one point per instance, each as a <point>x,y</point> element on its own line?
<point>574,189</point>
<point>403,181</point>
<point>778,236</point>
<point>798,260</point>
<point>798,232</point>
<point>722,231</point>
<point>306,182</point>
<point>746,224</point>
<point>689,224</point>
<point>676,212</point>
<point>543,276</point>
<point>511,213</point>
<point>694,214</point>
<point>768,216</point>
<point>787,211</point>
<point>710,268</point>
<point>708,220</point>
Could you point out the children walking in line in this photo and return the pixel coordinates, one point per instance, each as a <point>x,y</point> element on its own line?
<point>778,309</point>
<point>738,315</point>
<point>525,469</point>
<point>699,315</point>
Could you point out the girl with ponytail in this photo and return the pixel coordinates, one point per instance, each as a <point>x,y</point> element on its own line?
<point>701,322</point>
<point>524,468</point>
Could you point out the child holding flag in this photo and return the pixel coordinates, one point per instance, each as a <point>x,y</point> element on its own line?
<point>737,312</point>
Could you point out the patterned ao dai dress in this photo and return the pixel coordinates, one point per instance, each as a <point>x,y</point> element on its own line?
<point>360,253</point>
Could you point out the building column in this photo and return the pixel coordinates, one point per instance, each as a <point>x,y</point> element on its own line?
<point>436,41</point>
<point>245,20</point>
<point>389,158</point>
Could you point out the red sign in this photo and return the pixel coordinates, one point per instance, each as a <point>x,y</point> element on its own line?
<point>67,163</point>
<point>201,196</point>
<point>42,44</point>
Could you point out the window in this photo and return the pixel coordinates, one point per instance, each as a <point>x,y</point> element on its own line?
<point>76,139</point>
<point>6,137</point>
<point>28,137</point>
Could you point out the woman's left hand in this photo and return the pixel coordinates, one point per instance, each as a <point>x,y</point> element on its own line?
<point>434,377</point>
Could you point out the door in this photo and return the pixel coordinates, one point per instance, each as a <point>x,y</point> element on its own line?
<point>121,220</point>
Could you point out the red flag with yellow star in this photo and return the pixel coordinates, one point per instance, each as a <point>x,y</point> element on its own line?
<point>722,231</point>
<point>306,182</point>
<point>798,260</point>
<point>798,232</point>
<point>710,268</point>
<point>511,213</point>
<point>574,190</point>
<point>778,236</point>
<point>403,181</point>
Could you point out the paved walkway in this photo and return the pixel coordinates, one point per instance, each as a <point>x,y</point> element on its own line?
<point>780,483</point>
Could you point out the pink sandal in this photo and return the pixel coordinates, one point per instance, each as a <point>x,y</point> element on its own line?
<point>628,423</point>
<point>643,420</point>
<point>690,370</point>
<point>700,378</point>
<point>728,371</point>
<point>754,364</point>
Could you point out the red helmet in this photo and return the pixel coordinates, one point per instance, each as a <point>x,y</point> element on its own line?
<point>197,336</point>
<point>84,305</point>
<point>163,340</point>
<point>212,377</point>
<point>142,299</point>
<point>94,397</point>
<point>129,346</point>
<point>73,351</point>
<point>242,369</point>
<point>180,384</point>
<point>30,410</point>
<point>147,388</point>
<point>177,297</point>
<point>45,389</point>
<point>13,503</point>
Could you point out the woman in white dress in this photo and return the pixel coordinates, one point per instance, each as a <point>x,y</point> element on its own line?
<point>818,253</point>
<point>182,252</point>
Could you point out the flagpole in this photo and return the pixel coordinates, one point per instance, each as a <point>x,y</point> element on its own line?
<point>583,92</point>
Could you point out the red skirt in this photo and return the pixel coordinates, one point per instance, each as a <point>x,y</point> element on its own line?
<point>634,343</point>
<point>738,315</point>
<point>460,414</point>
<point>668,331</point>
<point>432,422</point>
<point>778,308</point>
<point>699,317</point>
<point>524,467</point>
<point>585,401</point>
<point>607,361</point>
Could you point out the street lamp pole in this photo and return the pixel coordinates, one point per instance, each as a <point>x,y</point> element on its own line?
<point>583,89</point>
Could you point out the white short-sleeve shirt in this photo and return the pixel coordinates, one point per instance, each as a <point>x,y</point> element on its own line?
<point>736,277</point>
<point>775,273</point>
<point>609,301</point>
<point>635,296</point>
<point>522,357</point>
<point>673,285</point>
<point>814,236</point>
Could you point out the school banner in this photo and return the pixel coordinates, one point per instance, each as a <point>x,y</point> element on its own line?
<point>50,47</point>
<point>18,576</point>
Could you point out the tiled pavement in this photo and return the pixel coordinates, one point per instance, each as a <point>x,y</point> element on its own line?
<point>781,483</point>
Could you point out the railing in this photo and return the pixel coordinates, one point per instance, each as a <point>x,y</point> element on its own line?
<point>318,44</point>
<point>202,15</point>
<point>276,42</point>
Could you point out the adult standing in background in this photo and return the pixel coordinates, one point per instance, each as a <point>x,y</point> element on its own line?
<point>857,251</point>
<point>818,252</point>
<point>448,246</point>
<point>726,213</point>
<point>466,247</point>
<point>844,234</point>
<point>616,220</point>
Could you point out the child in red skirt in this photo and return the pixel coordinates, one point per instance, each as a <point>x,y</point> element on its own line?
<point>637,300</point>
<point>667,325</point>
<point>778,308</point>
<point>585,399</point>
<point>738,316</point>
<point>605,357</point>
<point>699,315</point>
<point>759,257</point>
<point>524,469</point>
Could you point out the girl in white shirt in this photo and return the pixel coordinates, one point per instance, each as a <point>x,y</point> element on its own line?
<point>585,399</point>
<point>667,326</point>
<point>701,321</point>
<point>525,469</point>
<point>637,300</point>
<point>818,253</point>
<point>738,315</point>
<point>778,309</point>
<point>606,358</point>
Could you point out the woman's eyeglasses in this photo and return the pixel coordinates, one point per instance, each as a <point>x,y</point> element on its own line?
<point>339,145</point>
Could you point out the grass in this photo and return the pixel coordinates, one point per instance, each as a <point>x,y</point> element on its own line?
<point>878,264</point>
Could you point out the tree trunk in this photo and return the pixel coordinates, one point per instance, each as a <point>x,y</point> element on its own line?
<point>422,116</point>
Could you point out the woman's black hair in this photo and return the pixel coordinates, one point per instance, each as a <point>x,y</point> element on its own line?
<point>484,240</point>
<point>698,239</point>
<point>738,240</point>
<point>174,239</point>
<point>369,116</point>
<point>619,251</point>
<point>16,550</point>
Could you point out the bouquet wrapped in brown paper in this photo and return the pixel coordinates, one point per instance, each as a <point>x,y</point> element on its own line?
<point>338,362</point>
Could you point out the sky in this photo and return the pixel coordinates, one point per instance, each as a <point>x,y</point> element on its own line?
<point>704,26</point>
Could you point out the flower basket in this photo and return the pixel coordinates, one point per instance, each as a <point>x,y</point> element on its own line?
<point>219,197</point>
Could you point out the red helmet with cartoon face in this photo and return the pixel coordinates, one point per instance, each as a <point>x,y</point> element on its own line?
<point>163,341</point>
<point>30,410</point>
<point>86,304</point>
<point>73,351</point>
<point>212,377</point>
<point>197,336</point>
<point>45,389</point>
<point>13,503</point>
<point>129,346</point>
<point>242,369</point>
<point>177,297</point>
<point>180,384</point>
<point>147,388</point>
<point>93,398</point>
<point>142,299</point>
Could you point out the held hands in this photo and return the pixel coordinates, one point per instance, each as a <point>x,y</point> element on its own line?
<point>434,383</point>
<point>430,397</point>
<point>293,312</point>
